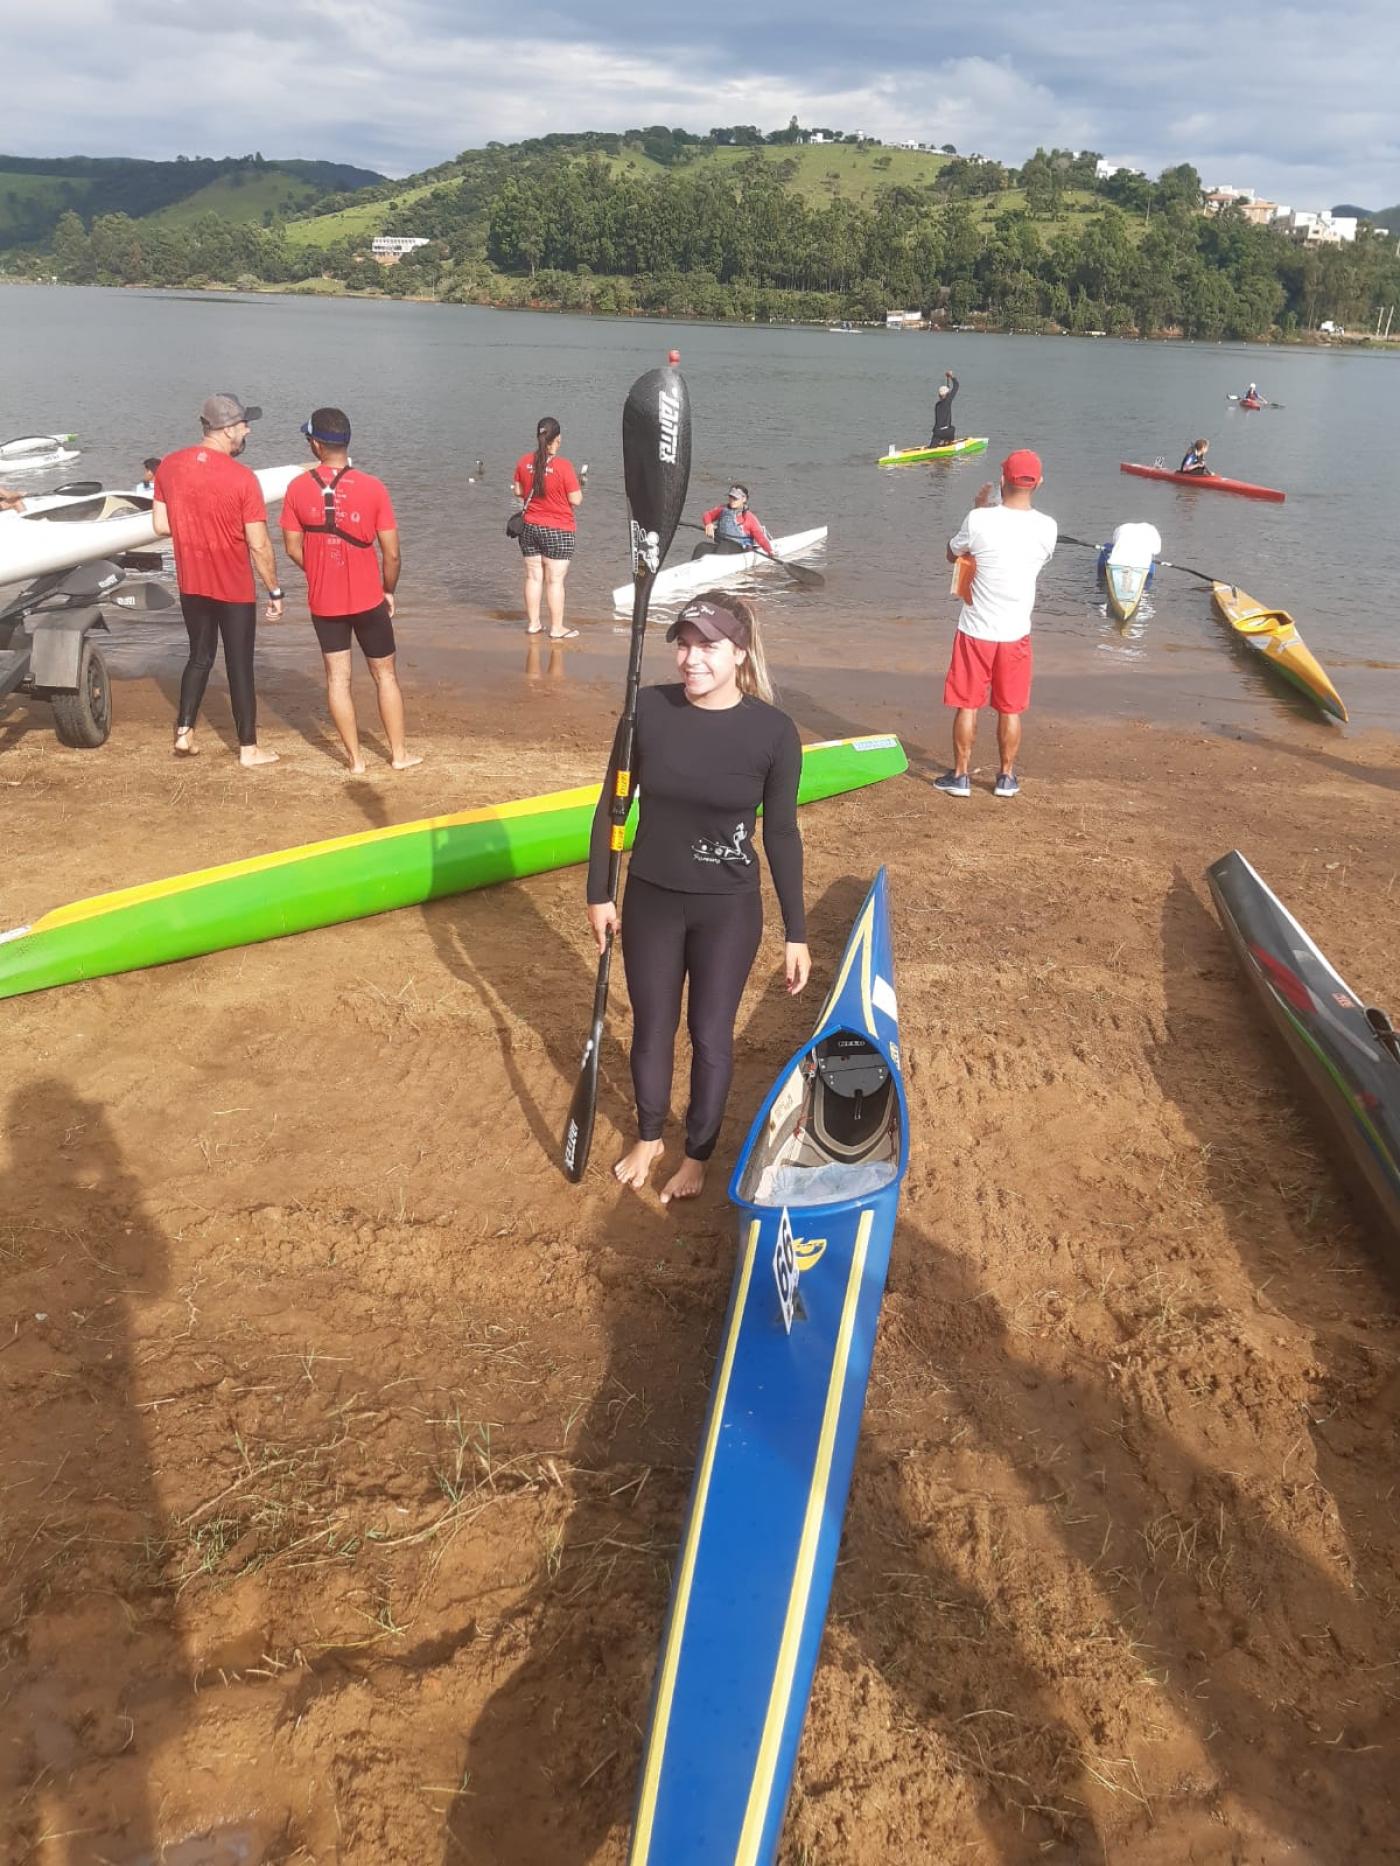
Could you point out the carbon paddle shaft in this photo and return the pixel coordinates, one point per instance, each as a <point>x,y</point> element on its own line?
<point>656,473</point>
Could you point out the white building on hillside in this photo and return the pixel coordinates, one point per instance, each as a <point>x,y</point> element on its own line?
<point>1319,229</point>
<point>391,247</point>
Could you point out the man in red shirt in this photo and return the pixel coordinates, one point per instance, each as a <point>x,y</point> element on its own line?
<point>212,511</point>
<point>332,519</point>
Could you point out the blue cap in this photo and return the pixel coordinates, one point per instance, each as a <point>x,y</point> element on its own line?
<point>331,438</point>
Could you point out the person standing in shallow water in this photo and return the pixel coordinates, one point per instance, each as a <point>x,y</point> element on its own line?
<point>550,490</point>
<point>333,517</point>
<point>708,751</point>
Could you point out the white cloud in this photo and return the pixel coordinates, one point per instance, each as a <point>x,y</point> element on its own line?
<point>1296,102</point>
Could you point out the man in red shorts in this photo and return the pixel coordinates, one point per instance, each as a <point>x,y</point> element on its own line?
<point>1010,543</point>
<point>212,510</point>
<point>332,519</point>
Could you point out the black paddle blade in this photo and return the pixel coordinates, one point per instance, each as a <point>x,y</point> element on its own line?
<point>655,462</point>
<point>578,1129</point>
<point>801,575</point>
<point>77,488</point>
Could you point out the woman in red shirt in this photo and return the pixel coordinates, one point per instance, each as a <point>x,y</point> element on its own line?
<point>550,489</point>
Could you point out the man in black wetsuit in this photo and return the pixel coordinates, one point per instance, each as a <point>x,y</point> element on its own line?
<point>944,433</point>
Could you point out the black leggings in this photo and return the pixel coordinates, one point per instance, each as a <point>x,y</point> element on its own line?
<point>712,939</point>
<point>206,618</point>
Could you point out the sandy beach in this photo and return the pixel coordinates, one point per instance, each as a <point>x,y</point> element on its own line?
<point>347,1445</point>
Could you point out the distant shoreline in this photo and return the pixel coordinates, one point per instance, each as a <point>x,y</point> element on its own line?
<point>335,288</point>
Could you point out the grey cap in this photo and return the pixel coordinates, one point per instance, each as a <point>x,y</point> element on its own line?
<point>226,411</point>
<point>712,621</point>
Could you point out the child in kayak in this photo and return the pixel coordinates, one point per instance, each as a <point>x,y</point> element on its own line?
<point>1195,460</point>
<point>732,527</point>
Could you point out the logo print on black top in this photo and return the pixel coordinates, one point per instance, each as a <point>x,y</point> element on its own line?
<point>705,850</point>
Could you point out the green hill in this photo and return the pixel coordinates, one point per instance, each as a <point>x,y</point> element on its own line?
<point>35,191</point>
<point>730,224</point>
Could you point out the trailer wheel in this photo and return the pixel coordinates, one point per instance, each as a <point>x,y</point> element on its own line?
<point>84,718</point>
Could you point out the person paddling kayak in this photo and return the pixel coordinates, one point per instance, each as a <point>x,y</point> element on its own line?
<point>732,527</point>
<point>1252,398</point>
<point>1194,460</point>
<point>944,433</point>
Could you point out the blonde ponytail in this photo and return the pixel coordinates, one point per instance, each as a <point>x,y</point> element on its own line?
<point>752,673</point>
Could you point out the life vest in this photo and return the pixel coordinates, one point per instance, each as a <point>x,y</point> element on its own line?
<point>730,531</point>
<point>330,525</point>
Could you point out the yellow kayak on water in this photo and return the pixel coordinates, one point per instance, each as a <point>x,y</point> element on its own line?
<point>1273,634</point>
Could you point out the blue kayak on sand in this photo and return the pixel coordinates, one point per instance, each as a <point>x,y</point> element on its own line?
<point>817,1185</point>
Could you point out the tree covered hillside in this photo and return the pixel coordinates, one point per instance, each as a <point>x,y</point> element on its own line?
<point>36,191</point>
<point>734,225</point>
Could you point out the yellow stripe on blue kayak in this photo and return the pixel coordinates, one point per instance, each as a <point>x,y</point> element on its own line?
<point>861,941</point>
<point>794,1625</point>
<point>675,1637</point>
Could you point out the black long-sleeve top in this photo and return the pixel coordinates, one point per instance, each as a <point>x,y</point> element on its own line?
<point>943,407</point>
<point>702,775</point>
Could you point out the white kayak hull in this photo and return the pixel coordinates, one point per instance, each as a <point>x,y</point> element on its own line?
<point>679,582</point>
<point>64,531</point>
<point>28,447</point>
<point>38,463</point>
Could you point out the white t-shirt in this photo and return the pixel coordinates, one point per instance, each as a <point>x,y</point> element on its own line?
<point>1135,545</point>
<point>1011,546</point>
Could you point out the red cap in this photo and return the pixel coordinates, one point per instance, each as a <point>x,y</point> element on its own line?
<point>1022,468</point>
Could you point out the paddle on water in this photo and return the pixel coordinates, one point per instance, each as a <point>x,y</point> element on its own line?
<point>809,579</point>
<point>656,473</point>
<point>1085,545</point>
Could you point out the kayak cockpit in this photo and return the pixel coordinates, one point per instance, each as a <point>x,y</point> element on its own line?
<point>833,1132</point>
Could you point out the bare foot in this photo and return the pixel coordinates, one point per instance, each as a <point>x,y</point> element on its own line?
<point>535,628</point>
<point>407,761</point>
<point>185,746</point>
<point>356,767</point>
<point>635,1165</point>
<point>687,1180</point>
<point>255,755</point>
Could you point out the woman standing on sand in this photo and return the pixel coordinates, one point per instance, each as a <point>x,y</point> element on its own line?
<point>549,487</point>
<point>708,751</point>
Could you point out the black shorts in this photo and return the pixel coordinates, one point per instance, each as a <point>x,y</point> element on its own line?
<point>545,541</point>
<point>372,629</point>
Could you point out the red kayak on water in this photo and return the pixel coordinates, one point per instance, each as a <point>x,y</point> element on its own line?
<point>1209,481</point>
<point>1250,401</point>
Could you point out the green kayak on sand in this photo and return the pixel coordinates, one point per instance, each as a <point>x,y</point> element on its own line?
<point>911,456</point>
<point>350,877</point>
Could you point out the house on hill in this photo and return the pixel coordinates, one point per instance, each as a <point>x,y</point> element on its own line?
<point>389,248</point>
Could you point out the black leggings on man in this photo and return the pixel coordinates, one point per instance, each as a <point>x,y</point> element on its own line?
<point>206,619</point>
<point>667,938</point>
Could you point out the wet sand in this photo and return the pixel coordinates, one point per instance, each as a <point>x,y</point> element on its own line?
<point>347,1445</point>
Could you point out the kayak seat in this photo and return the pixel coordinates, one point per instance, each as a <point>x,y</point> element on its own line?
<point>852,1096</point>
<point>834,1129</point>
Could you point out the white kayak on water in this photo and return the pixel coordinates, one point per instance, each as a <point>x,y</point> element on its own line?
<point>34,453</point>
<point>679,582</point>
<point>61,531</point>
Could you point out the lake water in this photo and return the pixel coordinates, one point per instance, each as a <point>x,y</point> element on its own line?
<point>800,416</point>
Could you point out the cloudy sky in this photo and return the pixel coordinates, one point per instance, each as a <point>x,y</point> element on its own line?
<point>1299,104</point>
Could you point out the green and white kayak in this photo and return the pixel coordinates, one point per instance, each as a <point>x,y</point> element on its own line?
<point>351,877</point>
<point>911,456</point>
